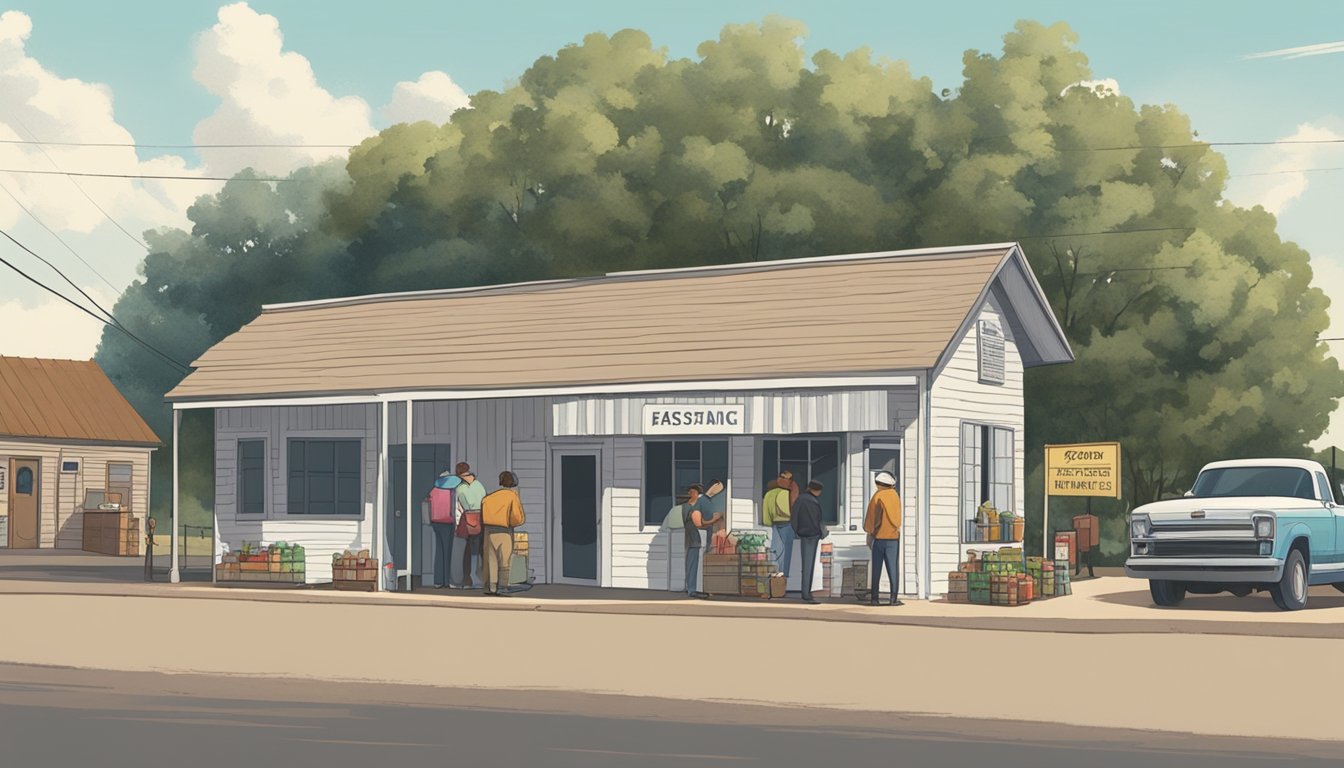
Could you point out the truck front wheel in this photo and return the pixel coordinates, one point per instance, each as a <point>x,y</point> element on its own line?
<point>1290,594</point>
<point>1166,593</point>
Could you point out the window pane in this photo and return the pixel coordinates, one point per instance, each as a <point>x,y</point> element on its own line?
<point>769,462</point>
<point>321,456</point>
<point>296,454</point>
<point>793,450</point>
<point>685,474</point>
<point>118,473</point>
<point>23,481</point>
<point>714,460</point>
<point>347,492</point>
<point>657,481</point>
<point>825,469</point>
<point>344,507</point>
<point>321,488</point>
<point>347,456</point>
<point>688,450</point>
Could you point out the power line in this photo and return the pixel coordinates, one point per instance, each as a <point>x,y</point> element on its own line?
<point>1202,145</point>
<point>80,307</point>
<point>62,241</point>
<point>82,191</point>
<point>175,146</point>
<point>1112,232</point>
<point>140,175</point>
<point>1280,173</point>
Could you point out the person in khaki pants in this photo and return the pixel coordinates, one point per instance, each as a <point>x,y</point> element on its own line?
<point>501,512</point>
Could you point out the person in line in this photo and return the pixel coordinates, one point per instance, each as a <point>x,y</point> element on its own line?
<point>501,512</point>
<point>882,523</point>
<point>809,525</point>
<point>440,513</point>
<point>694,521</point>
<point>775,514</point>
<point>470,494</point>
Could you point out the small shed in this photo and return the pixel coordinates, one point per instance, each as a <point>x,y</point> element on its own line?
<point>69,441</point>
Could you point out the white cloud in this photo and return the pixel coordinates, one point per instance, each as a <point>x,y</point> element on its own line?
<point>1319,49</point>
<point>1101,88</point>
<point>37,104</point>
<point>268,96</point>
<point>1280,175</point>
<point>51,328</point>
<point>433,97</point>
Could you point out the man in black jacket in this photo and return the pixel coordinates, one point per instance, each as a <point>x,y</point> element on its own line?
<point>809,526</point>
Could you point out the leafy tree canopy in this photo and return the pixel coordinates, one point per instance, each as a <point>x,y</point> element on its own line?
<point>1195,330</point>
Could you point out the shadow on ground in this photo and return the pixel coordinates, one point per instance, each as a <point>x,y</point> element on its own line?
<point>1319,599</point>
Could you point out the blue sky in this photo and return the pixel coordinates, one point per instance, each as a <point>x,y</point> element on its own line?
<point>368,63</point>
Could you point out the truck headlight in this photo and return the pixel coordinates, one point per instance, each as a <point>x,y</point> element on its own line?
<point>1140,526</point>
<point>1264,526</point>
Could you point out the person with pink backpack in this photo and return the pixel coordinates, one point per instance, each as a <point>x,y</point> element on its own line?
<point>442,512</point>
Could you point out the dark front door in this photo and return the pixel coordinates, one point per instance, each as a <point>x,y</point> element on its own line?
<point>579,499</point>
<point>430,460</point>
<point>23,497</point>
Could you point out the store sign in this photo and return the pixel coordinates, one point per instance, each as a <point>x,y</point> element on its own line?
<point>1085,469</point>
<point>674,419</point>
<point>990,347</point>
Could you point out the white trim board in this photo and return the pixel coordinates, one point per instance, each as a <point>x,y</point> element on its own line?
<point>825,382</point>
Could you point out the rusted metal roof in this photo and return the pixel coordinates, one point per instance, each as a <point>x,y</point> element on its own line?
<point>66,400</point>
<point>859,314</point>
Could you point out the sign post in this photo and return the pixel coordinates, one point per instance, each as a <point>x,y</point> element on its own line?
<point>1079,469</point>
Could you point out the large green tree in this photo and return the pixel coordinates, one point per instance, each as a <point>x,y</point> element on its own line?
<point>1194,324</point>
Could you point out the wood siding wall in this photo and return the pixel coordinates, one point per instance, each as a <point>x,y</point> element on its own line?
<point>61,495</point>
<point>958,396</point>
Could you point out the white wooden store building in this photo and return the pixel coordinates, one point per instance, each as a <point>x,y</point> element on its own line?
<point>610,394</point>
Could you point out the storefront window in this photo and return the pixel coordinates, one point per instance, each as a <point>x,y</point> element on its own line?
<point>324,477</point>
<point>808,460</point>
<point>672,465</point>
<point>986,468</point>
<point>251,477</point>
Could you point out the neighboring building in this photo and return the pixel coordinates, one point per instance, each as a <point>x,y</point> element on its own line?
<point>65,431</point>
<point>608,395</point>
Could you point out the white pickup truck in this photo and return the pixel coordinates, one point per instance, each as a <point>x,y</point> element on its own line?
<point>1246,525</point>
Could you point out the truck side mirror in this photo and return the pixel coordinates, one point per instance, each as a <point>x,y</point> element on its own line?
<point>1189,494</point>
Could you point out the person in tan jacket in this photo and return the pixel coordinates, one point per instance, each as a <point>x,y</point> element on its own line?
<point>501,512</point>
<point>883,526</point>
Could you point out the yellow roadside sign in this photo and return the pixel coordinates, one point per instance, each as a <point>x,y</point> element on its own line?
<point>1083,469</point>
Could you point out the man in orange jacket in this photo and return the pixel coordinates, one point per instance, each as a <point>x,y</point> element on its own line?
<point>883,526</point>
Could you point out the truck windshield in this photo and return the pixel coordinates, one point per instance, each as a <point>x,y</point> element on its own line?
<point>1254,481</point>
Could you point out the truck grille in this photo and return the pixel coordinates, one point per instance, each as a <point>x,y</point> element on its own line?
<point>1205,548</point>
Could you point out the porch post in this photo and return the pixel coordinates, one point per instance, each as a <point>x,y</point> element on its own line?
<point>380,506</point>
<point>411,510</point>
<point>174,574</point>
<point>926,482</point>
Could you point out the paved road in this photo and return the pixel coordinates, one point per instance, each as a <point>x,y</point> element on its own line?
<point>65,717</point>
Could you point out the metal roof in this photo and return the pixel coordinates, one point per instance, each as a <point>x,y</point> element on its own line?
<point>66,400</point>
<point>850,314</point>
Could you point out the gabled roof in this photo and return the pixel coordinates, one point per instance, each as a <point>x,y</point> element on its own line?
<point>66,400</point>
<point>835,315</point>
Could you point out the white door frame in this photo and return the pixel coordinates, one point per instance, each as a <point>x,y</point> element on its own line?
<point>555,556</point>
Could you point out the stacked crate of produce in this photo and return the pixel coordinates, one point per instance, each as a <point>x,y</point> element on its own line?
<point>978,586</point>
<point>958,587</point>
<point>854,579</point>
<point>279,563</point>
<point>722,573</point>
<point>1043,573</point>
<point>756,566</point>
<point>1003,590</point>
<point>354,570</point>
<point>1026,589</point>
<point>1063,581</point>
